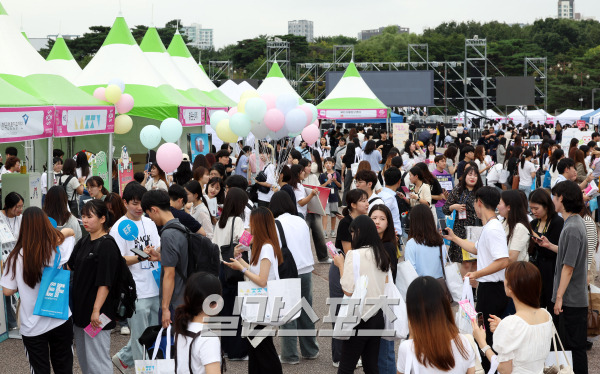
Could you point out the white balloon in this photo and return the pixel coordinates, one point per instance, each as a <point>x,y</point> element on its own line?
<point>286,102</point>
<point>295,121</point>
<point>259,130</point>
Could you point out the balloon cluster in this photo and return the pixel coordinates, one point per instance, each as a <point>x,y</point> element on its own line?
<point>114,94</point>
<point>168,155</point>
<point>267,115</point>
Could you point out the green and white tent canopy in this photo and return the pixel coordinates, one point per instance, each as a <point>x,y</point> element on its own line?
<point>276,84</point>
<point>352,99</point>
<point>62,61</point>
<point>120,57</point>
<point>194,73</point>
<point>161,60</point>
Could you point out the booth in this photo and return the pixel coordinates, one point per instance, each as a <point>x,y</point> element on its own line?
<point>570,116</point>
<point>523,116</point>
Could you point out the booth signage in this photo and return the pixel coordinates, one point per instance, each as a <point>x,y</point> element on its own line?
<point>190,116</point>
<point>76,121</point>
<point>26,123</point>
<point>352,113</point>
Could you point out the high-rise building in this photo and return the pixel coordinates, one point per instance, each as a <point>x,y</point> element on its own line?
<point>199,37</point>
<point>368,34</point>
<point>566,9</point>
<point>301,27</point>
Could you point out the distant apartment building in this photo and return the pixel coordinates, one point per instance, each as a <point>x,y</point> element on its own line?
<point>301,27</point>
<point>566,9</point>
<point>199,37</point>
<point>368,34</point>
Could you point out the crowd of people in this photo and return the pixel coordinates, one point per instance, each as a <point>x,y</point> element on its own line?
<point>529,263</point>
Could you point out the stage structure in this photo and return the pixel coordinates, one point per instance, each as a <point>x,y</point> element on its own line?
<point>278,51</point>
<point>538,67</point>
<point>220,70</point>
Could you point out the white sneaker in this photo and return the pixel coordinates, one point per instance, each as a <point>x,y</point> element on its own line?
<point>332,234</point>
<point>125,330</point>
<point>325,234</point>
<point>336,364</point>
<point>327,261</point>
<point>124,369</point>
<point>359,363</point>
<point>289,362</point>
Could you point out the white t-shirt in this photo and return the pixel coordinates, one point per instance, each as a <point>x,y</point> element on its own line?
<point>300,194</point>
<point>78,172</point>
<point>297,236</point>
<point>270,172</point>
<point>44,182</point>
<point>32,325</point>
<point>160,185</point>
<point>201,214</point>
<point>14,224</point>
<point>491,246</point>
<point>71,186</point>
<point>268,253</point>
<point>142,272</point>
<point>461,365</point>
<point>519,240</point>
<point>525,173</point>
<point>206,350</point>
<point>374,199</point>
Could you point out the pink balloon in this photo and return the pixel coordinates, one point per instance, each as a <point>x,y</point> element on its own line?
<point>169,157</point>
<point>274,119</point>
<point>232,111</point>
<point>270,100</point>
<point>308,113</point>
<point>99,93</point>
<point>125,103</point>
<point>311,134</point>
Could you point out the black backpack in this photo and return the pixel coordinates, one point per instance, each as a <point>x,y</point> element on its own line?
<point>288,268</point>
<point>203,254</point>
<point>126,294</point>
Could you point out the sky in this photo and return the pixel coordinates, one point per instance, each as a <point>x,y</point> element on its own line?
<point>234,20</point>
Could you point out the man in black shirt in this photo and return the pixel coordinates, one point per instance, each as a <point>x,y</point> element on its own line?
<point>469,154</point>
<point>178,198</point>
<point>384,144</point>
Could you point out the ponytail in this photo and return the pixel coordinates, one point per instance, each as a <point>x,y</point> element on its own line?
<point>182,319</point>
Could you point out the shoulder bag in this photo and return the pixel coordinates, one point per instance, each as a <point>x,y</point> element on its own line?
<point>231,276</point>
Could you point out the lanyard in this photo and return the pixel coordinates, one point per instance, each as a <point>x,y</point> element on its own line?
<point>545,227</point>
<point>13,226</point>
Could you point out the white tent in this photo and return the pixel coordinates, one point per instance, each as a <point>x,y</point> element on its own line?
<point>245,86</point>
<point>475,114</point>
<point>61,59</point>
<point>524,116</point>
<point>570,116</point>
<point>232,90</point>
<point>276,84</point>
<point>595,119</point>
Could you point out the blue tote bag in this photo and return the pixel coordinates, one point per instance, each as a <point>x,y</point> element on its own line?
<point>53,296</point>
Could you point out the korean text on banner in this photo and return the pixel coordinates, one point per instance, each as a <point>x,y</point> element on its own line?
<point>352,113</point>
<point>77,121</point>
<point>20,124</point>
<point>400,131</point>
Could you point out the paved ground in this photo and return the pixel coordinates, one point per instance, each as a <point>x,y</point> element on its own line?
<point>13,360</point>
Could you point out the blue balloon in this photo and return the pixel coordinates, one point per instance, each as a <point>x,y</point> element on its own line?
<point>128,230</point>
<point>286,102</point>
<point>171,130</point>
<point>53,222</point>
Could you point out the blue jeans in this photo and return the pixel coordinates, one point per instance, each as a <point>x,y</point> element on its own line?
<point>146,314</point>
<point>387,358</point>
<point>526,189</point>
<point>308,344</point>
<point>440,214</point>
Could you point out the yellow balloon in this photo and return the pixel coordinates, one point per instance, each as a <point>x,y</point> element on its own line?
<point>242,106</point>
<point>249,94</point>
<point>123,124</point>
<point>224,132</point>
<point>113,93</point>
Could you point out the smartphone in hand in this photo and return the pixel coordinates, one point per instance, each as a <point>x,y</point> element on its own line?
<point>443,226</point>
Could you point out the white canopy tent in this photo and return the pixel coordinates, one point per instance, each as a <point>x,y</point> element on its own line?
<point>570,116</point>
<point>461,117</point>
<point>519,116</point>
<point>232,90</point>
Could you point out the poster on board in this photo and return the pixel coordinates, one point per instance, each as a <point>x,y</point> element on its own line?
<point>100,167</point>
<point>199,144</point>
<point>125,170</point>
<point>400,132</point>
<point>584,137</point>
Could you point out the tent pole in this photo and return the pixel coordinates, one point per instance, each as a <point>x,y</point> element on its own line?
<point>109,161</point>
<point>50,169</point>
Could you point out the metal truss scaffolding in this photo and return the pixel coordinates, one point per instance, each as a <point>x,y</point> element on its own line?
<point>538,66</point>
<point>219,69</point>
<point>278,51</point>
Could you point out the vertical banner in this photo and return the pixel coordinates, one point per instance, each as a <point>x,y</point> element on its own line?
<point>125,170</point>
<point>400,133</point>
<point>100,168</point>
<point>199,144</point>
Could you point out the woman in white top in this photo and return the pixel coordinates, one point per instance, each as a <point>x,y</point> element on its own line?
<point>55,207</point>
<point>421,191</point>
<point>73,185</point>
<point>375,264</point>
<point>516,225</point>
<point>156,179</point>
<point>325,149</point>
<point>480,160</point>
<point>263,267</point>
<point>411,154</point>
<point>38,245</point>
<point>522,341</point>
<point>57,165</point>
<point>83,166</point>
<point>199,208</point>
<point>526,170</point>
<point>193,339</point>
<point>556,156</point>
<point>298,175</point>
<point>435,345</point>
<point>296,233</point>
<point>12,212</point>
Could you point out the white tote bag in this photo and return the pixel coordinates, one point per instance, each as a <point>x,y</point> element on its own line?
<point>286,290</point>
<point>563,364</point>
<point>404,276</point>
<point>400,324</point>
<point>503,176</point>
<point>154,366</point>
<point>343,328</point>
<point>462,319</point>
<point>454,280</point>
<point>354,166</point>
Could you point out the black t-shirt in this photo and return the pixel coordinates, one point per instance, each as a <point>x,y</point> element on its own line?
<point>552,232</point>
<point>91,271</point>
<point>460,169</point>
<point>392,250</point>
<point>290,191</point>
<point>348,161</point>
<point>387,145</point>
<point>436,189</point>
<point>343,232</point>
<point>186,220</point>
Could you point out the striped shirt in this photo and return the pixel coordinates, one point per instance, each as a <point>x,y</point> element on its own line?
<point>592,238</point>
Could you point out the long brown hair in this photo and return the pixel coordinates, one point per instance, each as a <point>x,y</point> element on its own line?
<point>264,232</point>
<point>38,240</point>
<point>55,205</point>
<point>422,227</point>
<point>432,326</point>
